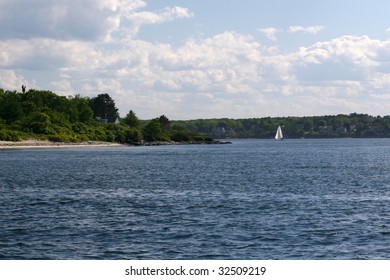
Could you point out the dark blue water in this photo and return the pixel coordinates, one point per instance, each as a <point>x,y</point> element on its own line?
<point>254,199</point>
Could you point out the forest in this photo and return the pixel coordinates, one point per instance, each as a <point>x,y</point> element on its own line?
<point>342,125</point>
<point>44,115</point>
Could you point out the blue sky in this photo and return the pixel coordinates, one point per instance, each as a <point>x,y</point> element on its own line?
<point>203,59</point>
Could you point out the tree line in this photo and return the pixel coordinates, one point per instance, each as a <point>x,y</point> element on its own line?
<point>342,125</point>
<point>44,115</point>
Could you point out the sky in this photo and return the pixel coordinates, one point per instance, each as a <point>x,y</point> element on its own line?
<point>191,59</point>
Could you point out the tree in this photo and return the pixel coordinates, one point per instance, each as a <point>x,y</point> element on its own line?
<point>308,124</point>
<point>83,112</point>
<point>131,120</point>
<point>103,106</point>
<point>10,107</point>
<point>164,122</point>
<point>153,131</point>
<point>39,123</point>
<point>133,136</point>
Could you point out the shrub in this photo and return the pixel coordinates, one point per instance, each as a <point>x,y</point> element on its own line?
<point>58,138</point>
<point>39,123</point>
<point>180,136</point>
<point>133,136</point>
<point>9,135</point>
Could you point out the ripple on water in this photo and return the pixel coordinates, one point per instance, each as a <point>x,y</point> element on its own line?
<point>311,199</point>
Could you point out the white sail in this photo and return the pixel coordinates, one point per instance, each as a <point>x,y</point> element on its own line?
<point>279,134</point>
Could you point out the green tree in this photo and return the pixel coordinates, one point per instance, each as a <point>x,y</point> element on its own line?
<point>180,134</point>
<point>81,109</point>
<point>133,136</point>
<point>153,131</point>
<point>308,124</point>
<point>39,123</point>
<point>103,106</point>
<point>164,122</point>
<point>131,120</point>
<point>11,107</point>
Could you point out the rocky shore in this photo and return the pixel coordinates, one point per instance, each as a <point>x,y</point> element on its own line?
<point>159,143</point>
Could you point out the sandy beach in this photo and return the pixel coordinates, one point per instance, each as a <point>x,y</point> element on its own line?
<point>33,144</point>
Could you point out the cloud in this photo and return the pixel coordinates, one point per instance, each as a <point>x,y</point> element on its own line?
<point>226,61</point>
<point>62,87</point>
<point>270,32</point>
<point>139,18</point>
<point>12,81</point>
<point>308,29</point>
<point>351,50</point>
<point>227,74</point>
<point>60,19</point>
<point>48,54</point>
<point>88,20</point>
<point>347,70</point>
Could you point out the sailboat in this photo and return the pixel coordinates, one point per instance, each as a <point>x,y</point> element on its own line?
<point>279,134</point>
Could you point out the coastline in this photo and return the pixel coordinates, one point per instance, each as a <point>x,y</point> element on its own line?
<point>45,144</point>
<point>42,144</point>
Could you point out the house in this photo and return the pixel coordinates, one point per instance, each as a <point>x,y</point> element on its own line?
<point>341,129</point>
<point>114,120</point>
<point>325,129</point>
<point>375,128</point>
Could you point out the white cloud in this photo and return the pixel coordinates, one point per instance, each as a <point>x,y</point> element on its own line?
<point>385,96</point>
<point>307,29</point>
<point>48,54</point>
<point>60,19</point>
<point>226,74</point>
<point>380,81</point>
<point>351,53</point>
<point>139,18</point>
<point>228,68</point>
<point>9,80</point>
<point>270,32</point>
<point>228,60</point>
<point>88,20</point>
<point>62,87</point>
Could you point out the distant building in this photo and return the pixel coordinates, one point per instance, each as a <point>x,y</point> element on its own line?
<point>325,129</point>
<point>114,120</point>
<point>375,128</point>
<point>222,132</point>
<point>341,129</point>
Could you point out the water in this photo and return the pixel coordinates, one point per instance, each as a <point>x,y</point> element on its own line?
<point>254,199</point>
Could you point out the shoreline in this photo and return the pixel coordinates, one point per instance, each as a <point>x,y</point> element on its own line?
<point>44,144</point>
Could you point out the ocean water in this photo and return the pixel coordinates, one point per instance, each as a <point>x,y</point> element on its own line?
<point>253,199</point>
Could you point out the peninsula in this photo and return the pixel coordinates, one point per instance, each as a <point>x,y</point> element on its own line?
<point>42,118</point>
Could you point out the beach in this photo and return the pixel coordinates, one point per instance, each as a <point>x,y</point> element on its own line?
<point>32,143</point>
